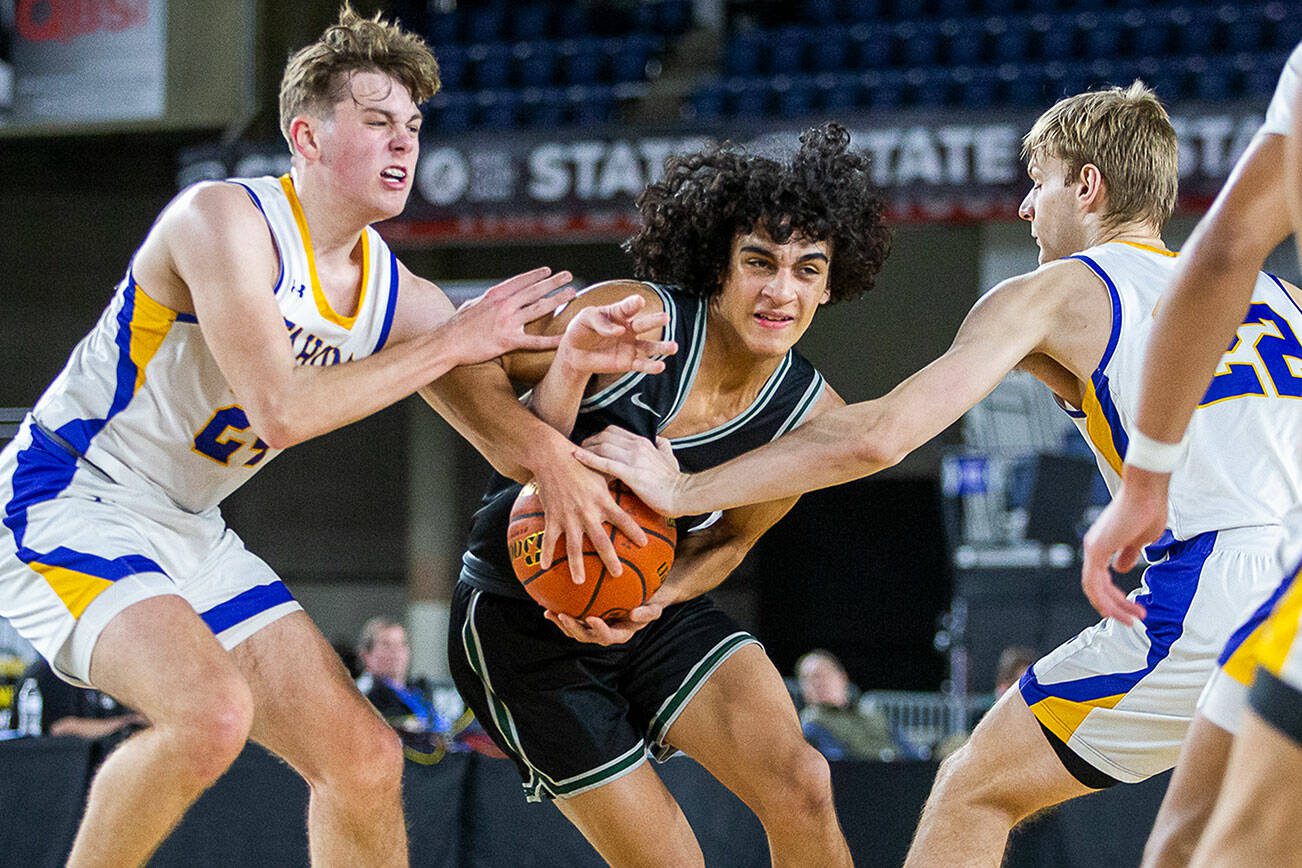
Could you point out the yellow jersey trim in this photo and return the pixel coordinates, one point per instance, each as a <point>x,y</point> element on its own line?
<point>323,306</point>
<point>1096,425</point>
<point>1280,631</point>
<point>150,323</point>
<point>1150,248</point>
<point>76,590</point>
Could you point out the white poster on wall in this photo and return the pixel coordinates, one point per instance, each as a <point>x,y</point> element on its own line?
<point>77,61</point>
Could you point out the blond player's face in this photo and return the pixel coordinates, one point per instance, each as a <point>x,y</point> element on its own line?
<point>371,143</point>
<point>771,291</point>
<point>1053,209</point>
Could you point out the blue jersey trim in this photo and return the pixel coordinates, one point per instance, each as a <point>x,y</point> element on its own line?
<point>244,606</point>
<point>1284,289</point>
<point>1102,391</point>
<point>1172,583</point>
<point>392,305</point>
<point>1116,308</point>
<point>79,432</point>
<point>280,256</point>
<point>1255,620</point>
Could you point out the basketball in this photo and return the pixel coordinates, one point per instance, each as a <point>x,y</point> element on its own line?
<point>601,594</point>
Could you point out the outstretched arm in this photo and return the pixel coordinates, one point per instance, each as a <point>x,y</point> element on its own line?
<point>1009,323</point>
<point>1199,315</point>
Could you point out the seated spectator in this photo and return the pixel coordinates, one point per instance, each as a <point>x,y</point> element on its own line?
<point>407,703</point>
<point>831,719</point>
<point>82,712</point>
<point>1013,662</point>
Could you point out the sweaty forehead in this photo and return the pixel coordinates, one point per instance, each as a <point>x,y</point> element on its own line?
<point>798,246</point>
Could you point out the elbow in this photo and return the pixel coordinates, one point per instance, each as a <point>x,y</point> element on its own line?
<point>273,423</point>
<point>874,453</point>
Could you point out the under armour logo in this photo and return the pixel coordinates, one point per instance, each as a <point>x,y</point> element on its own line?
<point>300,289</point>
<point>637,401</point>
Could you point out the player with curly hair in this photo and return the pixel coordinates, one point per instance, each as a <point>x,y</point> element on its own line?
<point>737,254</point>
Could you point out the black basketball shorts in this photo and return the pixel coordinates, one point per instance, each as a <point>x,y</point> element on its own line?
<point>574,716</point>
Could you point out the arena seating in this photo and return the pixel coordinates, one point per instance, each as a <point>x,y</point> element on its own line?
<point>552,64</point>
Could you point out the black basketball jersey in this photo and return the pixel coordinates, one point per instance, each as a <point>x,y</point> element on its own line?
<point>645,404</point>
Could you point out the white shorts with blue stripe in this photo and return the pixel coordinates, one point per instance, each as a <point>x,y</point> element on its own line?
<point>1122,698</point>
<point>76,548</point>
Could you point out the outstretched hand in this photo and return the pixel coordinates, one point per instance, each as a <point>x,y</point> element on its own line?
<point>493,324</point>
<point>651,471</point>
<point>1135,518</point>
<point>604,339</point>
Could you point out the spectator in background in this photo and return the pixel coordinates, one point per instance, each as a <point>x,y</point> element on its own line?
<point>1013,662</point>
<point>385,657</point>
<point>831,719</point>
<point>85,713</point>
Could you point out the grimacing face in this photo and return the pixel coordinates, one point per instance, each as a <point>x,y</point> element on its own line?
<point>771,291</point>
<point>370,144</point>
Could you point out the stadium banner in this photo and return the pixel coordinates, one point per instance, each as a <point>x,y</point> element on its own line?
<point>504,186</point>
<point>78,61</point>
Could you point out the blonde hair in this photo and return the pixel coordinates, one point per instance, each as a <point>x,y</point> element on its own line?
<point>316,76</point>
<point>1127,134</point>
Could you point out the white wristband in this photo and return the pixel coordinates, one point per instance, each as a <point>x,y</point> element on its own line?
<point>1153,455</point>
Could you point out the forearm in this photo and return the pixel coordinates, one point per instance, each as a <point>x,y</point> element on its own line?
<point>89,727</point>
<point>1293,172</point>
<point>557,397</point>
<point>479,403</point>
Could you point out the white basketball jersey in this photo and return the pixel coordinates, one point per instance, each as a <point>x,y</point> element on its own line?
<point>1241,464</point>
<point>142,398</point>
<point>1279,116</point>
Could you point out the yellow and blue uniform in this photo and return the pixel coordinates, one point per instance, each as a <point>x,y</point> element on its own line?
<point>1120,698</point>
<point>111,488</point>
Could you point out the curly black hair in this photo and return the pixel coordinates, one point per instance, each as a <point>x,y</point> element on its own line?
<point>707,198</point>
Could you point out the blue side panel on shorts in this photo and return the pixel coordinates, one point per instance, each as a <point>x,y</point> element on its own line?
<point>1263,611</point>
<point>1172,582</point>
<point>239,608</point>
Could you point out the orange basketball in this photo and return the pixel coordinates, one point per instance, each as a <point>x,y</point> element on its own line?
<point>601,594</point>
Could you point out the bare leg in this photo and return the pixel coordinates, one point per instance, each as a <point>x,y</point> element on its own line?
<point>1258,818</point>
<point>1191,796</point>
<point>633,822</point>
<point>159,658</point>
<point>743,728</point>
<point>309,712</point>
<point>1006,772</point>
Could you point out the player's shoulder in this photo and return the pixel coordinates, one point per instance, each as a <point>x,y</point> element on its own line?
<point>1053,282</point>
<point>610,291</point>
<point>212,205</point>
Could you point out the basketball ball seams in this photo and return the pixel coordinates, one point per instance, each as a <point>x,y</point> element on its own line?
<point>541,573</point>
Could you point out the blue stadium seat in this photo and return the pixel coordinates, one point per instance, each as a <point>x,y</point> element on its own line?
<point>1101,35</point>
<point>748,97</point>
<point>965,42</point>
<point>627,58</point>
<point>742,53</point>
<point>1217,81</point>
<point>1149,34</point>
<point>673,17</point>
<point>528,21</point>
<point>978,87</point>
<point>884,90</point>
<point>544,107</point>
<point>591,106</point>
<point>443,29</point>
<point>919,43</point>
<point>1012,39</point>
<point>787,50</point>
<point>1247,33</point>
<point>1261,74</point>
<point>999,7</point>
<point>836,93</point>
<point>1058,41</point>
<point>1024,86</point>
<point>536,64</point>
<point>452,67</point>
<point>708,101</point>
<point>497,109</point>
<point>794,96</point>
<point>582,61</point>
<point>872,48</point>
<point>828,50</point>
<point>485,23</point>
<point>822,12</point>
<point>909,10</point>
<point>954,8</point>
<point>452,112</point>
<point>491,64</point>
<point>931,87</point>
<point>865,11</point>
<point>573,20</point>
<point>1288,32</point>
<point>1196,31</point>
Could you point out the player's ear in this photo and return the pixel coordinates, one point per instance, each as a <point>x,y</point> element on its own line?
<point>303,133</point>
<point>1092,186</point>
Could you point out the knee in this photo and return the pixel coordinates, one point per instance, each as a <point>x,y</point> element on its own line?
<point>802,789</point>
<point>966,778</point>
<point>213,733</point>
<point>369,762</point>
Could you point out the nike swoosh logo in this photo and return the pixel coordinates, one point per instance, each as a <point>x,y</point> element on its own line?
<point>637,401</point>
